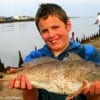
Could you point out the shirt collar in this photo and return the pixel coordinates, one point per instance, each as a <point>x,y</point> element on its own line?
<point>71,46</point>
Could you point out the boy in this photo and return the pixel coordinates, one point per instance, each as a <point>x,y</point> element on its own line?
<point>54,26</point>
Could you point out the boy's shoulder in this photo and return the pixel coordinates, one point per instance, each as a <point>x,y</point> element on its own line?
<point>91,53</point>
<point>44,51</point>
<point>89,48</point>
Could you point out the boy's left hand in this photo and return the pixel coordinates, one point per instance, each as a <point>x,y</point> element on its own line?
<point>93,89</point>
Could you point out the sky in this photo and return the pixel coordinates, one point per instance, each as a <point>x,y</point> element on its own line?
<point>29,7</point>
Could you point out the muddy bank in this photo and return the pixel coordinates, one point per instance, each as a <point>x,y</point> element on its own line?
<point>95,42</point>
<point>10,94</point>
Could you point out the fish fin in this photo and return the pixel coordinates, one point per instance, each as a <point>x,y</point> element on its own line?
<point>79,91</point>
<point>74,56</point>
<point>39,61</point>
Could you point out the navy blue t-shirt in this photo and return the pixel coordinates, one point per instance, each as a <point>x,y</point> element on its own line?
<point>87,52</point>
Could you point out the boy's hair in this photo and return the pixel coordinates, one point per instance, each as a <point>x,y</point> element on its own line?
<point>50,9</point>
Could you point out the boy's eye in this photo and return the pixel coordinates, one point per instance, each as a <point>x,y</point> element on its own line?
<point>44,31</point>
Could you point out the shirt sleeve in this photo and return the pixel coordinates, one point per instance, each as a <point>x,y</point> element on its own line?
<point>91,54</point>
<point>38,53</point>
<point>32,55</point>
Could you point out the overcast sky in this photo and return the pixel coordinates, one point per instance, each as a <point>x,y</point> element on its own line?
<point>29,7</point>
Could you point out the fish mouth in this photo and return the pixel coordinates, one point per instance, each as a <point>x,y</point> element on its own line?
<point>1,76</point>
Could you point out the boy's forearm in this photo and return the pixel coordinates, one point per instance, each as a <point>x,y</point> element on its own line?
<point>30,94</point>
<point>95,97</point>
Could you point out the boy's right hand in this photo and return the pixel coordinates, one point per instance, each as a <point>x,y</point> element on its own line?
<point>20,82</point>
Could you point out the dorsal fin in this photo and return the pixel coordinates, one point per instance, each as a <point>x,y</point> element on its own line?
<point>75,56</point>
<point>72,56</point>
<point>39,61</point>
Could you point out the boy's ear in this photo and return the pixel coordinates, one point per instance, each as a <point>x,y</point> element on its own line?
<point>68,24</point>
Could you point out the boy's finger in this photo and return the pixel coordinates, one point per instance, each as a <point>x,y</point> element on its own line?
<point>11,83</point>
<point>97,87</point>
<point>18,81</point>
<point>23,82</point>
<point>29,86</point>
<point>86,91</point>
<point>92,89</point>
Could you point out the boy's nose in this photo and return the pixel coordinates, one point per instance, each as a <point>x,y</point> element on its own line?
<point>51,33</point>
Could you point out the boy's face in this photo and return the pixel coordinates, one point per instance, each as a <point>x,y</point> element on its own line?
<point>54,33</point>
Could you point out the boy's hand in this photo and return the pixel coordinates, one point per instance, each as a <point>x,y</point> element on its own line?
<point>93,89</point>
<point>20,82</point>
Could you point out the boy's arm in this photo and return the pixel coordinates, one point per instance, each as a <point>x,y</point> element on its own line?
<point>30,94</point>
<point>93,97</point>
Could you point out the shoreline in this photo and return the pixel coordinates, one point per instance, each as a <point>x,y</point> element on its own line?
<point>12,21</point>
<point>95,42</point>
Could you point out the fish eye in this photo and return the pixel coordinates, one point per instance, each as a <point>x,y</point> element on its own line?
<point>1,76</point>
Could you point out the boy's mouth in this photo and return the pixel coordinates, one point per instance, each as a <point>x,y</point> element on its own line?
<point>53,41</point>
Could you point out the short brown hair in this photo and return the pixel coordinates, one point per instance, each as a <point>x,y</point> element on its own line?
<point>50,9</point>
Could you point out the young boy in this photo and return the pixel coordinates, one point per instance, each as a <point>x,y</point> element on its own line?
<point>54,26</point>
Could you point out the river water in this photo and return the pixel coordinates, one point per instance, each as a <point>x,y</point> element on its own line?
<point>24,36</point>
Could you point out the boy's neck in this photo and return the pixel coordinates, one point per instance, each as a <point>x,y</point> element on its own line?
<point>58,52</point>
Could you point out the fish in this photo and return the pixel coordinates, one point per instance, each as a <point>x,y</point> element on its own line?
<point>67,77</point>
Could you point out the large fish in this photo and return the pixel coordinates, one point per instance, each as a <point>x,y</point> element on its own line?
<point>64,77</point>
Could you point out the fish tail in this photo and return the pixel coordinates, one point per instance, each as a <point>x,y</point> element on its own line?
<point>1,84</point>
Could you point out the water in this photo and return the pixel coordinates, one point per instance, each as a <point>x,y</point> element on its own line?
<point>21,36</point>
<point>84,26</point>
<point>24,36</point>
